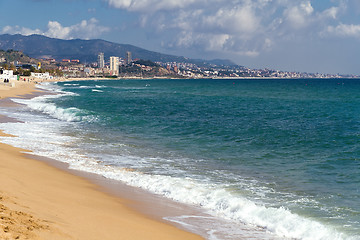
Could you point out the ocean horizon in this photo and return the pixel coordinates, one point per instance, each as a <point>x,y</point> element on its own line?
<point>266,159</point>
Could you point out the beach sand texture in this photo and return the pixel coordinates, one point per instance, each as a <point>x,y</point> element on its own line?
<point>39,201</point>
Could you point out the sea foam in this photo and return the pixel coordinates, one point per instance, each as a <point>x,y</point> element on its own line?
<point>96,90</point>
<point>42,105</point>
<point>44,137</point>
<point>222,203</point>
<point>213,198</point>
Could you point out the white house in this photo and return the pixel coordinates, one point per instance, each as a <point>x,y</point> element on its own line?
<point>44,76</point>
<point>7,74</point>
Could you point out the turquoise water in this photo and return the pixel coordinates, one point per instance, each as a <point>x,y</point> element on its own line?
<point>280,155</point>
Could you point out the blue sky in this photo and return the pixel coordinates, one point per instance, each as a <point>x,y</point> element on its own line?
<point>293,35</point>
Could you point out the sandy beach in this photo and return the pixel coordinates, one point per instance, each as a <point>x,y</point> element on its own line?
<point>39,201</point>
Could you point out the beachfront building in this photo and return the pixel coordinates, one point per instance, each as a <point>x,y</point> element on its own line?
<point>101,61</point>
<point>128,58</point>
<point>44,76</point>
<point>114,65</point>
<point>7,75</point>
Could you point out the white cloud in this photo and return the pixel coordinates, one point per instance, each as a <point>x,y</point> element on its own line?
<point>151,5</point>
<point>344,30</point>
<point>298,16</point>
<point>331,12</point>
<point>120,3</point>
<point>56,30</point>
<point>240,19</point>
<point>20,30</point>
<point>221,30</point>
<point>335,12</point>
<point>85,30</point>
<point>249,53</point>
<point>268,43</point>
<point>242,27</point>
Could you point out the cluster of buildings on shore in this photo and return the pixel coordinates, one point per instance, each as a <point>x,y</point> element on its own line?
<point>192,70</point>
<point>114,63</point>
<point>114,66</point>
<point>9,76</point>
<point>100,68</point>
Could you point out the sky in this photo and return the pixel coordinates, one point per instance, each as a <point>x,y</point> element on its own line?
<point>315,36</point>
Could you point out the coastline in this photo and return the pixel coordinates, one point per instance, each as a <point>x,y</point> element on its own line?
<point>40,201</point>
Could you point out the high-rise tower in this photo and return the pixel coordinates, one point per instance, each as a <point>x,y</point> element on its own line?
<point>114,65</point>
<point>101,62</point>
<point>128,58</point>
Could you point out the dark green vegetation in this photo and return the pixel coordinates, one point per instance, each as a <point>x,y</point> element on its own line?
<point>146,63</point>
<point>12,55</point>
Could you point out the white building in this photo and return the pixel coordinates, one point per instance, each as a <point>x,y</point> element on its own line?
<point>45,76</point>
<point>7,74</point>
<point>114,65</point>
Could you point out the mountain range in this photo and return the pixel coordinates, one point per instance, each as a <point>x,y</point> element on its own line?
<point>39,46</point>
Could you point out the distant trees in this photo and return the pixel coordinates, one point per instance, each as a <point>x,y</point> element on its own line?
<point>129,69</point>
<point>26,73</point>
<point>54,72</point>
<point>19,71</point>
<point>5,66</point>
<point>146,63</point>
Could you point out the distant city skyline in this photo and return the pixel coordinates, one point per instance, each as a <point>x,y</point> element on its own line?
<point>290,35</point>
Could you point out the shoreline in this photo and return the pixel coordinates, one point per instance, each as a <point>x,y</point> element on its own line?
<point>41,201</point>
<point>33,80</point>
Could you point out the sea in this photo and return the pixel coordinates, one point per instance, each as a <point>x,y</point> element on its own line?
<point>262,159</point>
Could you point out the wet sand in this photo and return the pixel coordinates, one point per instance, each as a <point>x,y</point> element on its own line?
<point>40,201</point>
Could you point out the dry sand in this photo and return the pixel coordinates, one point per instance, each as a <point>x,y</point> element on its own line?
<point>39,201</point>
<point>20,88</point>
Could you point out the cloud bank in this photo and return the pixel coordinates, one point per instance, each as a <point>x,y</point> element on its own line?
<point>153,5</point>
<point>86,29</point>
<point>344,30</point>
<point>242,27</point>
